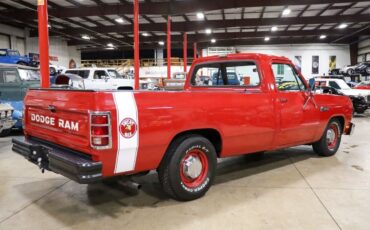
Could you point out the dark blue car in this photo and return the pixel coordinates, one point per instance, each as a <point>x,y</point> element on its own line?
<point>8,56</point>
<point>232,79</point>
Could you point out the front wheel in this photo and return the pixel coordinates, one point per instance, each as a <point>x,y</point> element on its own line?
<point>188,168</point>
<point>329,143</point>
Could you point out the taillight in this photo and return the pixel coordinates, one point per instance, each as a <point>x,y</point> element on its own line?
<point>101,133</point>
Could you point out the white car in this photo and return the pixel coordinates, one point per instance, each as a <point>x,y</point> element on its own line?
<point>342,86</point>
<point>102,79</point>
<point>348,70</point>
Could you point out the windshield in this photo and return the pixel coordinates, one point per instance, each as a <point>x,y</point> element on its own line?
<point>343,85</point>
<point>13,53</point>
<point>29,74</point>
<point>114,74</point>
<point>81,73</point>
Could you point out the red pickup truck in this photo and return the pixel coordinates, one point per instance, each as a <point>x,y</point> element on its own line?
<point>231,105</point>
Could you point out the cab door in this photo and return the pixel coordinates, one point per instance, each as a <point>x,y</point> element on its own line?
<point>299,115</point>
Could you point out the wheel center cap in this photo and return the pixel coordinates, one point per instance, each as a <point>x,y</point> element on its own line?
<point>330,136</point>
<point>192,167</point>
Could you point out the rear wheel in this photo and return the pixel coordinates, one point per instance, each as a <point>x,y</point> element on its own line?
<point>350,71</point>
<point>5,132</point>
<point>329,143</point>
<point>188,168</point>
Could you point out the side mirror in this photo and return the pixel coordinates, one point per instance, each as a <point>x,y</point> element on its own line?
<point>311,82</point>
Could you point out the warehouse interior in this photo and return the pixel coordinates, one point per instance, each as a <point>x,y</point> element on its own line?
<point>156,46</point>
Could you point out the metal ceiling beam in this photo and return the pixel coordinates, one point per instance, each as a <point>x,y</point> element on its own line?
<point>163,8</point>
<point>238,35</point>
<point>198,26</point>
<point>227,43</point>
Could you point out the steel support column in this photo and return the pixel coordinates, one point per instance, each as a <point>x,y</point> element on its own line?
<point>185,52</point>
<point>136,45</point>
<point>42,12</point>
<point>195,50</point>
<point>169,47</point>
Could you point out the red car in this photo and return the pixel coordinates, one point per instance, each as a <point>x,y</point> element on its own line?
<point>363,85</point>
<point>89,136</point>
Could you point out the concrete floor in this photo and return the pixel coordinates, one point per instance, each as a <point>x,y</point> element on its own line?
<point>288,189</point>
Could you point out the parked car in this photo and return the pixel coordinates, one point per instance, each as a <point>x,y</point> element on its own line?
<point>363,69</point>
<point>102,79</point>
<point>348,70</point>
<point>343,87</point>
<point>232,79</point>
<point>89,136</point>
<point>15,80</point>
<point>359,102</point>
<point>8,56</point>
<point>363,85</point>
<point>6,120</point>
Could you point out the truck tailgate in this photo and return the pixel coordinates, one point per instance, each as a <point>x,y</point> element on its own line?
<point>60,117</point>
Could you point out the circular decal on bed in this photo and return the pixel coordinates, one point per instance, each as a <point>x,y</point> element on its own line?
<point>128,127</point>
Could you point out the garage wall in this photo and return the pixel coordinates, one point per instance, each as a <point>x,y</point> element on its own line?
<point>58,48</point>
<point>306,51</point>
<point>4,41</point>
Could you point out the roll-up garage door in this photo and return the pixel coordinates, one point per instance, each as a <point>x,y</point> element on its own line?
<point>4,42</point>
<point>21,46</point>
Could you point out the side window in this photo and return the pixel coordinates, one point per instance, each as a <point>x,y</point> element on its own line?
<point>286,78</point>
<point>206,75</point>
<point>226,74</point>
<point>334,85</point>
<point>10,76</point>
<point>2,80</point>
<point>100,74</point>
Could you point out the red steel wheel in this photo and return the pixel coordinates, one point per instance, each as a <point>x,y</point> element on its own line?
<point>329,142</point>
<point>332,136</point>
<point>194,168</point>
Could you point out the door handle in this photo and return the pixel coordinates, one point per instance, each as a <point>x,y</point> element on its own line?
<point>283,100</point>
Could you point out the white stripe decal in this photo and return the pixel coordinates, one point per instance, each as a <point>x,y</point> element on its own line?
<point>127,147</point>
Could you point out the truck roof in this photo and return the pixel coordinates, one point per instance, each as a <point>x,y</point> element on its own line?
<point>241,56</point>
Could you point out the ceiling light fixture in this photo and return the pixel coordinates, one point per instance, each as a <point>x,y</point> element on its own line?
<point>213,40</point>
<point>208,31</point>
<point>287,11</point>
<point>119,20</point>
<point>200,15</point>
<point>323,36</point>
<point>109,48</point>
<point>145,34</point>
<point>86,37</point>
<point>161,43</point>
<point>274,28</point>
<point>110,45</point>
<point>267,39</point>
<point>342,26</point>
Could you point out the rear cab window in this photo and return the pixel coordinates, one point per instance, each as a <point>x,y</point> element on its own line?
<point>226,74</point>
<point>81,73</point>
